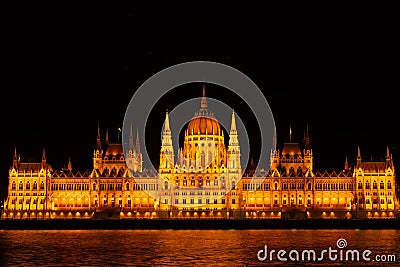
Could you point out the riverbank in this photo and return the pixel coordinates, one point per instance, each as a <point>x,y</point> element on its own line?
<point>223,224</point>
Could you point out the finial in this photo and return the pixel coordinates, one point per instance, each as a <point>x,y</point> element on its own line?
<point>203,105</point>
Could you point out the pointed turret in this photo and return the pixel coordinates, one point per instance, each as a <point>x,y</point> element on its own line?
<point>233,147</point>
<point>167,150</point>
<point>15,159</point>
<point>306,139</point>
<point>203,105</point>
<point>137,148</point>
<point>98,151</point>
<point>69,164</point>
<point>346,165</point>
<point>233,136</point>
<point>388,157</point>
<point>166,129</point>
<point>130,138</point>
<point>44,157</point>
<point>290,134</point>
<point>358,156</point>
<point>134,159</point>
<point>98,141</point>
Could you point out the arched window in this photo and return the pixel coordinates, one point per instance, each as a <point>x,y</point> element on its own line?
<point>28,185</point>
<point>309,186</point>
<point>42,186</point>
<point>375,185</point>
<point>382,185</point>
<point>359,185</point>
<point>367,186</point>
<point>233,184</point>
<point>127,186</point>
<point>94,187</point>
<point>20,186</point>
<point>13,186</point>
<point>276,186</point>
<point>166,185</point>
<point>389,185</point>
<point>35,185</point>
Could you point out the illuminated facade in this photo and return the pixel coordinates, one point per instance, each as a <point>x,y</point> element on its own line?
<point>205,179</point>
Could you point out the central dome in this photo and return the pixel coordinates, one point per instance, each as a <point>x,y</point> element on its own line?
<point>203,121</point>
<point>203,125</point>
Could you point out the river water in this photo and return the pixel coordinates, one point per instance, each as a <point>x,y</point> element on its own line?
<point>199,247</point>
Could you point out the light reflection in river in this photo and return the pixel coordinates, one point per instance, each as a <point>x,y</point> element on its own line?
<point>181,247</point>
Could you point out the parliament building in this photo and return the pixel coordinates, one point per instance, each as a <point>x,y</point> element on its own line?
<point>203,179</point>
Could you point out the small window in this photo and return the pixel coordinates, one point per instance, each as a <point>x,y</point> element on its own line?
<point>360,185</point>
<point>375,185</point>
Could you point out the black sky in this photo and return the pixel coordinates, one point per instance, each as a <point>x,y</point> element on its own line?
<point>67,70</point>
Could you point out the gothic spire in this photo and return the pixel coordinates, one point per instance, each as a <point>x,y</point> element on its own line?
<point>203,104</point>
<point>306,139</point>
<point>358,156</point>
<point>233,136</point>
<point>44,156</point>
<point>166,124</point>
<point>98,141</point>
<point>15,158</point>
<point>69,164</point>
<point>137,142</point>
<point>130,137</point>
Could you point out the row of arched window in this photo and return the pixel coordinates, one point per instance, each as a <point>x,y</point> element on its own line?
<point>28,186</point>
<point>375,185</point>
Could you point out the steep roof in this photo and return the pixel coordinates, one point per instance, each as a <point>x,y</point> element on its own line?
<point>291,149</point>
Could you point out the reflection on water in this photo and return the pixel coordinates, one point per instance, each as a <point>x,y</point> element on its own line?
<point>182,247</point>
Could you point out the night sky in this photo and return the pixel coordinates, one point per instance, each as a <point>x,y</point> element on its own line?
<point>68,70</point>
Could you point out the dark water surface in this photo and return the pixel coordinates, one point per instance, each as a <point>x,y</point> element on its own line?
<point>190,247</point>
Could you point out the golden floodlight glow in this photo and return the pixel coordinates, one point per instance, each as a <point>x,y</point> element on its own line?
<point>290,184</point>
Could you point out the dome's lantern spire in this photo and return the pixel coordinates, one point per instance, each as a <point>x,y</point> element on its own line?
<point>203,105</point>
